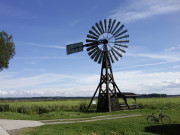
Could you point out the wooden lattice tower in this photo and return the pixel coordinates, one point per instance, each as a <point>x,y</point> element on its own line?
<point>105,42</point>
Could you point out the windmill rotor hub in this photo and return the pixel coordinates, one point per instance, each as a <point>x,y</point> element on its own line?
<point>102,41</point>
<point>105,41</point>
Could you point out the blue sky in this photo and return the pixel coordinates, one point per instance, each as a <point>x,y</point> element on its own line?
<point>41,30</point>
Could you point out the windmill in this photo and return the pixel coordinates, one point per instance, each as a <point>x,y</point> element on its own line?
<point>105,44</point>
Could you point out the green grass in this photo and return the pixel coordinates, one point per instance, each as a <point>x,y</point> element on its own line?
<point>31,107</point>
<point>125,126</point>
<point>39,110</point>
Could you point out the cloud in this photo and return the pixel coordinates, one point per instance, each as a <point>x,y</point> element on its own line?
<point>169,55</point>
<point>21,82</point>
<point>143,65</point>
<point>142,82</point>
<point>140,9</point>
<point>41,45</point>
<point>85,84</point>
<point>2,92</point>
<point>172,87</point>
<point>167,84</point>
<point>80,91</point>
<point>75,22</point>
<point>44,58</point>
<point>158,56</point>
<point>173,48</point>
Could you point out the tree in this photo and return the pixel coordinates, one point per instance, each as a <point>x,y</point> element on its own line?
<point>7,49</point>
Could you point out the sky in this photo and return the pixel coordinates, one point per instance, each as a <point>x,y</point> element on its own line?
<point>41,30</point>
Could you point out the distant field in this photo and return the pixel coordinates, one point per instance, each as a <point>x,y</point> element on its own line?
<point>30,109</point>
<point>67,109</point>
<point>39,107</point>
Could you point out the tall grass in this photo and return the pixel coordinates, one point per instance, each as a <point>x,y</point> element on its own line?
<point>40,107</point>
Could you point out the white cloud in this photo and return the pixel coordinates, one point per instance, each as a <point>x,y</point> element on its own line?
<point>85,85</point>
<point>176,66</point>
<point>21,82</point>
<point>175,57</point>
<point>173,48</point>
<point>44,58</point>
<point>141,9</point>
<point>170,55</point>
<point>2,92</point>
<point>75,22</point>
<point>141,82</point>
<point>41,45</point>
<point>143,65</point>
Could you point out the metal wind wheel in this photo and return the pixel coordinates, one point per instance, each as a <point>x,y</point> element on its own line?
<point>105,43</point>
<point>107,36</point>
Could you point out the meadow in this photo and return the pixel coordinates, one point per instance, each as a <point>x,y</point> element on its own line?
<point>68,109</point>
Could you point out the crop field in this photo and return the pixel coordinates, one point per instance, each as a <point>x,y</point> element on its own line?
<point>75,108</point>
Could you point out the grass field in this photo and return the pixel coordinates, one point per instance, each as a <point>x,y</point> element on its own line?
<point>66,109</point>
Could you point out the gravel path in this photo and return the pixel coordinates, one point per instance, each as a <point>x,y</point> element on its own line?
<point>6,125</point>
<point>88,120</point>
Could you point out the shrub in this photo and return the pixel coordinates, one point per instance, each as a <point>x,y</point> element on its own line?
<point>4,107</point>
<point>83,106</point>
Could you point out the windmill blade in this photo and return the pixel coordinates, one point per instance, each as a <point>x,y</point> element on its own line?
<point>112,26</point>
<point>101,57</point>
<point>111,57</point>
<point>109,25</point>
<point>105,25</point>
<point>119,30</point>
<point>97,56</point>
<point>122,45</point>
<point>121,33</point>
<point>114,55</point>
<point>120,49</point>
<point>119,54</point>
<point>97,25</point>
<point>115,27</point>
<point>94,41</point>
<point>90,36</point>
<point>92,51</point>
<point>91,32</point>
<point>125,36</point>
<point>122,41</point>
<point>95,30</point>
<point>95,53</point>
<point>90,48</point>
<point>101,26</point>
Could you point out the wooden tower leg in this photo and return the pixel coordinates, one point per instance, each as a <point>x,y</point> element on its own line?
<point>93,97</point>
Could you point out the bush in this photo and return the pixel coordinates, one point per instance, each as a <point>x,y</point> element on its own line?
<point>4,107</point>
<point>83,106</point>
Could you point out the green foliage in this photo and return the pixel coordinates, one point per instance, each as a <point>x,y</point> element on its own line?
<point>7,49</point>
<point>4,108</point>
<point>38,108</point>
<point>48,108</point>
<point>83,106</point>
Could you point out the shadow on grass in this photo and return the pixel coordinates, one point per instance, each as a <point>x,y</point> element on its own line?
<point>171,129</point>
